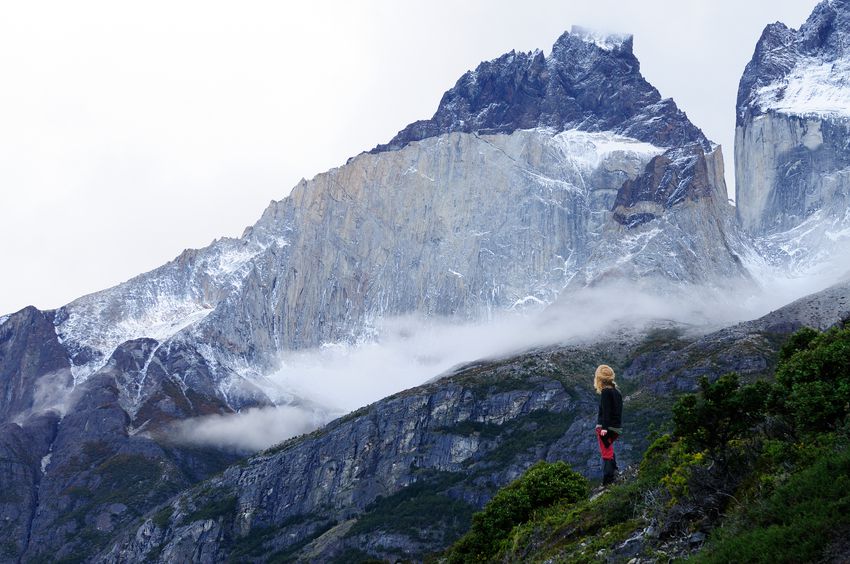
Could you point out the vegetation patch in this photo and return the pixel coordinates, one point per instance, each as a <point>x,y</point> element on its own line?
<point>162,517</point>
<point>255,543</point>
<point>222,503</point>
<point>541,486</point>
<point>469,428</point>
<point>541,427</point>
<point>415,510</point>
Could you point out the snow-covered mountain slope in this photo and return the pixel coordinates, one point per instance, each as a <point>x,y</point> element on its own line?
<point>792,142</point>
<point>500,200</point>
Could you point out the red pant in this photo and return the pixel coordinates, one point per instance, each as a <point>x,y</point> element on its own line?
<point>606,443</point>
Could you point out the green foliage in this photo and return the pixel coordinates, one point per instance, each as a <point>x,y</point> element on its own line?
<point>162,517</point>
<point>256,543</point>
<point>573,532</point>
<point>467,428</point>
<point>220,504</point>
<point>355,556</point>
<point>799,341</point>
<point>538,427</point>
<point>763,467</point>
<point>795,523</point>
<point>416,509</point>
<point>541,486</point>
<point>252,544</point>
<point>813,381</point>
<point>723,410</point>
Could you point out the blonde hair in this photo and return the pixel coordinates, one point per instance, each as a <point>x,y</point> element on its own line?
<point>603,378</point>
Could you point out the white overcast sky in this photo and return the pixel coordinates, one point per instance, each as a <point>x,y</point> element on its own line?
<point>130,131</point>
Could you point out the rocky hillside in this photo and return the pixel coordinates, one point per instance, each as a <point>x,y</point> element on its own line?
<point>792,158</point>
<point>400,478</point>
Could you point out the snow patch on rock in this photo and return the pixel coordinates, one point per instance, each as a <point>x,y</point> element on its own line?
<point>812,87</point>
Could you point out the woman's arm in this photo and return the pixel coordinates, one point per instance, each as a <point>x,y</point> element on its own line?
<point>607,403</point>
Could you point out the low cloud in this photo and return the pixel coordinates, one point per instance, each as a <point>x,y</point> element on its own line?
<point>250,430</point>
<point>408,351</point>
<point>52,392</point>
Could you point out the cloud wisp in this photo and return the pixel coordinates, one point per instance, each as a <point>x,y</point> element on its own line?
<point>408,351</point>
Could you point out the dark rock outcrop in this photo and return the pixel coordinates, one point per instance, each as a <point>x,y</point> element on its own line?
<point>24,453</point>
<point>70,483</point>
<point>588,83</point>
<point>29,351</point>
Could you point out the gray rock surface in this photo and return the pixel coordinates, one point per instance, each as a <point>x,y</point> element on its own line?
<point>792,154</point>
<point>29,352</point>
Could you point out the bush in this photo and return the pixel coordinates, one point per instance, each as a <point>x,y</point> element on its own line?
<point>541,486</point>
<point>723,410</point>
<point>799,341</point>
<point>813,382</point>
<point>794,524</point>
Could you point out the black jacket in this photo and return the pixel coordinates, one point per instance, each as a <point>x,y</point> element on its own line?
<point>610,409</point>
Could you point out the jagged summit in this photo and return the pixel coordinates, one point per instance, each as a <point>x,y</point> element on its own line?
<point>607,41</point>
<point>801,72</point>
<point>589,82</point>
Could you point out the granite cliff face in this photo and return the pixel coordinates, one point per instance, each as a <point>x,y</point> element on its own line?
<point>678,207</point>
<point>792,164</point>
<point>531,166</point>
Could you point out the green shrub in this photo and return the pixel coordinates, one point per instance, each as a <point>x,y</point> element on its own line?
<point>813,381</point>
<point>799,341</point>
<point>722,411</point>
<point>162,517</point>
<point>541,486</point>
<point>220,504</point>
<point>795,523</point>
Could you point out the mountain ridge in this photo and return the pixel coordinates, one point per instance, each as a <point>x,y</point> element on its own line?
<point>530,90</point>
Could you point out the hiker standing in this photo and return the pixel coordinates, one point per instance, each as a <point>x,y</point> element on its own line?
<point>609,422</point>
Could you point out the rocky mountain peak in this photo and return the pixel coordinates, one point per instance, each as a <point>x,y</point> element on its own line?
<point>793,117</point>
<point>800,72</point>
<point>583,36</point>
<point>589,82</point>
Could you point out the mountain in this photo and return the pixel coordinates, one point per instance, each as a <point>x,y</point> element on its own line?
<point>537,176</point>
<point>393,479</point>
<point>792,158</point>
<point>534,174</point>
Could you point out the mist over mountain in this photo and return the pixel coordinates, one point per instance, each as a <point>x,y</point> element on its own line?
<point>552,203</point>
